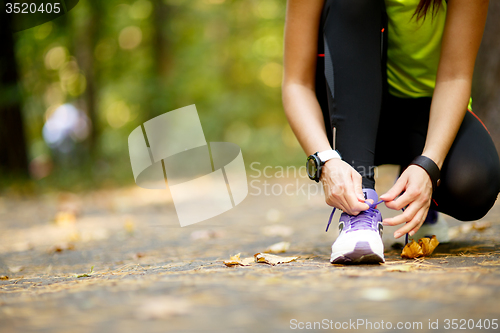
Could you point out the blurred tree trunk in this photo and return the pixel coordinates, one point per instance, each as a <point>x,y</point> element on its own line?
<point>85,42</point>
<point>162,59</point>
<point>486,87</point>
<point>13,152</point>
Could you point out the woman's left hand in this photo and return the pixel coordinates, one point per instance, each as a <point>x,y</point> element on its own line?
<point>417,187</point>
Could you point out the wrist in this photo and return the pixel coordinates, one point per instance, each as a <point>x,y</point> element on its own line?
<point>316,161</point>
<point>435,157</point>
<point>430,167</point>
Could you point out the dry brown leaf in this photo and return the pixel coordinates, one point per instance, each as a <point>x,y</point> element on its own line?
<point>428,245</point>
<point>423,248</point>
<point>412,250</point>
<point>272,259</point>
<point>247,261</point>
<point>233,260</point>
<point>236,260</point>
<point>278,247</point>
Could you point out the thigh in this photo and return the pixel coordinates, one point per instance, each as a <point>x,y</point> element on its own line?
<point>353,68</point>
<point>470,176</point>
<point>402,130</point>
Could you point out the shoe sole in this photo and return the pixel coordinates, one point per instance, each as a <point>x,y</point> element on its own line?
<point>353,259</point>
<point>362,254</point>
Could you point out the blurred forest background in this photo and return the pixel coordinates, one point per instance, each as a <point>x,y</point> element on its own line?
<point>71,90</point>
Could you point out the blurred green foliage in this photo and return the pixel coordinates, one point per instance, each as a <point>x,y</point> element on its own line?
<point>124,62</point>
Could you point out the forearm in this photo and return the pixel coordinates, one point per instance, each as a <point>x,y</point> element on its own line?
<point>449,105</point>
<point>305,117</point>
<point>461,39</point>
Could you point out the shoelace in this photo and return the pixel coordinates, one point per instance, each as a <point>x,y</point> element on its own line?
<point>371,208</point>
<point>362,219</point>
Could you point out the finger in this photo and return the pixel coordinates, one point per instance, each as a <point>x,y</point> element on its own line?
<point>352,201</point>
<point>406,216</point>
<point>358,186</point>
<point>395,190</point>
<point>409,196</point>
<point>422,215</point>
<point>415,223</point>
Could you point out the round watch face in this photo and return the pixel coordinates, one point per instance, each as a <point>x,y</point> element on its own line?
<point>312,167</point>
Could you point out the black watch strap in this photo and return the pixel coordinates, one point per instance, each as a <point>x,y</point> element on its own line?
<point>430,167</point>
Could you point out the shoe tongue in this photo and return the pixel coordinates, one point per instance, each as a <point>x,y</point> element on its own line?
<point>370,194</point>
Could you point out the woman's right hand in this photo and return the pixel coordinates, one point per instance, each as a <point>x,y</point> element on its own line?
<point>342,186</point>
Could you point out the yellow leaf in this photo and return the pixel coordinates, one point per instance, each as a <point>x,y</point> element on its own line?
<point>412,250</point>
<point>428,245</point>
<point>233,260</point>
<point>272,259</point>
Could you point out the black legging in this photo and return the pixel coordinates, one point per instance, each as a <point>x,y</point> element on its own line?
<point>373,128</point>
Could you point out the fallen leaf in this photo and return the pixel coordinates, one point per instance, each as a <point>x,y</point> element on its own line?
<point>428,245</point>
<point>412,250</point>
<point>236,260</point>
<point>278,247</point>
<point>272,259</point>
<point>423,248</point>
<point>4,277</point>
<point>247,261</point>
<point>233,260</point>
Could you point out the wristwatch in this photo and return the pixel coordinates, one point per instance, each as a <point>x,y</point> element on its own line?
<point>316,161</point>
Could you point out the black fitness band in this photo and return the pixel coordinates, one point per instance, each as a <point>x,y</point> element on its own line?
<point>430,167</point>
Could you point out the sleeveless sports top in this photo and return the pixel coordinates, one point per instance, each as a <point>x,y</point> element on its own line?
<point>413,48</point>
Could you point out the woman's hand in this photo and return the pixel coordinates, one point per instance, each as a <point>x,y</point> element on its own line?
<point>342,186</point>
<point>417,187</point>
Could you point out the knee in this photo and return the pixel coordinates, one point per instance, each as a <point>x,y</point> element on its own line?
<point>474,188</point>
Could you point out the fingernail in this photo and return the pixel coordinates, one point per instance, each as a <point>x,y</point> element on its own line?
<point>397,235</point>
<point>411,233</point>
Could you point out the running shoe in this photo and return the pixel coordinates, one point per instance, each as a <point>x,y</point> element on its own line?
<point>360,238</point>
<point>434,224</point>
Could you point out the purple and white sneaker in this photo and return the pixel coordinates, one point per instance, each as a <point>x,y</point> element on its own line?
<point>360,238</point>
